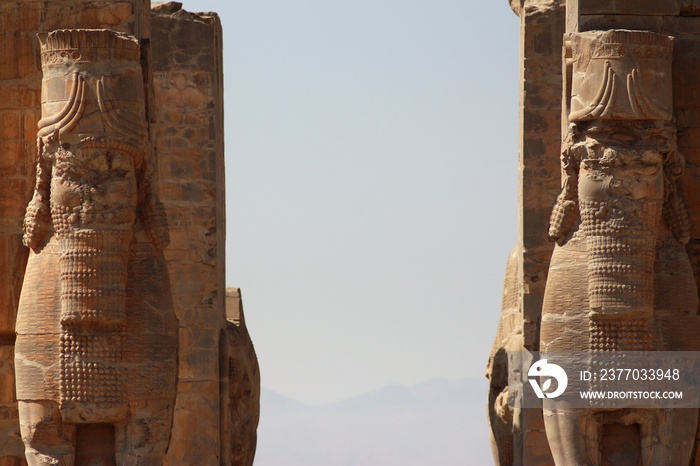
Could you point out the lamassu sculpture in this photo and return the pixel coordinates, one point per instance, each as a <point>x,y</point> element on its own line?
<point>620,278</point>
<point>96,349</point>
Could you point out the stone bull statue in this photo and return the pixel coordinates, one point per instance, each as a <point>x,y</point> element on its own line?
<point>501,416</point>
<point>96,349</point>
<point>620,278</point>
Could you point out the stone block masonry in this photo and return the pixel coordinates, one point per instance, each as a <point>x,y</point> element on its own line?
<point>602,82</point>
<point>217,404</point>
<point>188,93</point>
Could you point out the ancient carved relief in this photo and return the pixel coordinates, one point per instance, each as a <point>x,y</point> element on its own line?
<point>96,333</point>
<point>503,417</point>
<point>620,279</point>
<point>244,383</point>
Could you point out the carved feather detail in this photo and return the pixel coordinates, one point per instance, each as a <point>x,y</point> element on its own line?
<point>68,117</point>
<point>640,104</point>
<point>120,121</point>
<point>602,104</point>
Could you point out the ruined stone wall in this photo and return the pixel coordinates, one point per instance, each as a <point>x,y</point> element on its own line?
<point>541,32</point>
<point>187,78</point>
<point>542,28</point>
<point>543,23</point>
<point>541,37</point>
<point>20,94</point>
<point>217,404</point>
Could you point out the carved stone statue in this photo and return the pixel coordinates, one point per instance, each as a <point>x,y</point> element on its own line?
<point>244,383</point>
<point>501,416</point>
<point>620,279</point>
<point>96,349</point>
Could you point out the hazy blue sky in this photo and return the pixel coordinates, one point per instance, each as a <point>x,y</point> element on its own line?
<point>371,150</point>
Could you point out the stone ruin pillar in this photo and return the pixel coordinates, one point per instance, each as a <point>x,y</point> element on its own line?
<point>96,345</point>
<point>620,278</point>
<point>619,223</point>
<point>95,351</point>
<point>539,141</point>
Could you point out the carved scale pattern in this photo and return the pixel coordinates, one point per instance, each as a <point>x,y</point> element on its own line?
<point>620,257</point>
<point>93,269</point>
<point>627,335</point>
<point>89,367</point>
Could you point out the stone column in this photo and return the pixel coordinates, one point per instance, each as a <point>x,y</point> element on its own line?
<point>188,92</point>
<point>541,31</point>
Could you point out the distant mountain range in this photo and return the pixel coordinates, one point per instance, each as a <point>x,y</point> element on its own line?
<point>436,423</point>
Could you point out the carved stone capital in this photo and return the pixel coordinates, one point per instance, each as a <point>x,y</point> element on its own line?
<point>64,46</point>
<point>92,87</point>
<point>621,75</point>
